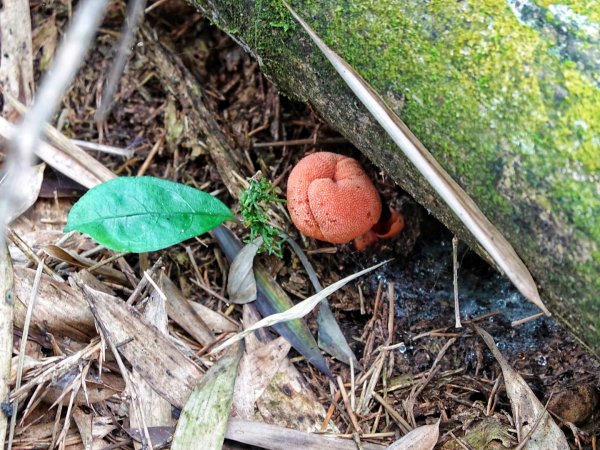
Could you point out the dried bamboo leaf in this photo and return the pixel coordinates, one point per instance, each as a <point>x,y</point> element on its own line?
<point>271,299</point>
<point>241,284</point>
<point>421,438</point>
<point>151,354</point>
<point>156,410</point>
<point>96,390</point>
<point>206,412</point>
<point>529,413</point>
<point>297,311</point>
<point>216,321</point>
<point>84,425</point>
<point>16,69</point>
<point>61,161</point>
<point>490,238</point>
<point>331,338</point>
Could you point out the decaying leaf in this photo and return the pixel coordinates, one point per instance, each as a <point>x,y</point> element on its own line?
<point>241,284</point>
<point>44,39</point>
<point>206,412</point>
<point>421,438</point>
<point>490,433</point>
<point>528,412</point>
<point>490,238</point>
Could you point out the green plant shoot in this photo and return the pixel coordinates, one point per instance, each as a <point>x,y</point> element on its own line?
<point>255,202</point>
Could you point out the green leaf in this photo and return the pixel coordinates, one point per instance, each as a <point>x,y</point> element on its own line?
<point>143,214</point>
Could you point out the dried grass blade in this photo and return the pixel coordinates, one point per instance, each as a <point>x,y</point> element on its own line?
<point>331,338</point>
<point>32,298</point>
<point>297,311</point>
<point>490,238</point>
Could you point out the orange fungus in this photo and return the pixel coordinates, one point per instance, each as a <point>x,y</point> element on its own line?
<point>331,198</point>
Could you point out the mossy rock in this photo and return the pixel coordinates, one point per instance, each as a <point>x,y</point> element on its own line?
<point>505,95</point>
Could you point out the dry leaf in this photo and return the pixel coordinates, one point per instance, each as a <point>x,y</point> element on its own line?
<point>421,438</point>
<point>156,410</point>
<point>151,354</point>
<point>182,313</point>
<point>57,159</point>
<point>44,38</point>
<point>84,425</point>
<point>528,411</point>
<point>241,284</point>
<point>16,70</point>
<point>205,414</point>
<point>76,260</point>
<point>492,241</point>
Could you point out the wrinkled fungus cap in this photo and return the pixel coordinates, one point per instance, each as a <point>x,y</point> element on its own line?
<point>331,198</point>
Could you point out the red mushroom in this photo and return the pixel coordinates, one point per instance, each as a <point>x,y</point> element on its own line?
<point>331,198</point>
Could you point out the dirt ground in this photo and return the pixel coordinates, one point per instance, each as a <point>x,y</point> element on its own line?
<point>399,320</point>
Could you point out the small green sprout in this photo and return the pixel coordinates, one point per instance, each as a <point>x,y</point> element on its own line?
<point>255,202</point>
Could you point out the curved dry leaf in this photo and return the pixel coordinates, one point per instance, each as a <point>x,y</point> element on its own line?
<point>421,438</point>
<point>528,412</point>
<point>241,284</point>
<point>490,238</point>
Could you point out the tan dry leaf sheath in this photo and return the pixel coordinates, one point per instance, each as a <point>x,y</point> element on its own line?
<point>331,198</point>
